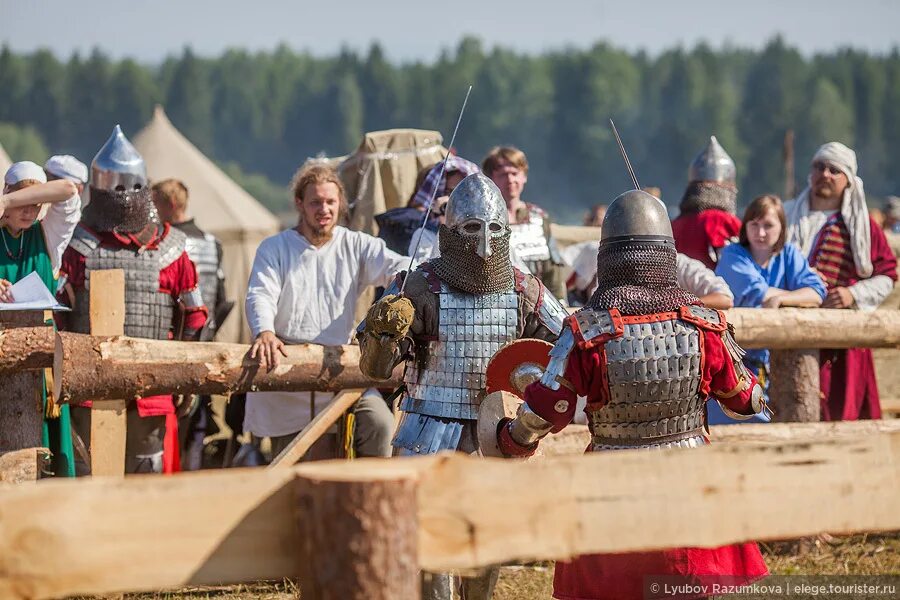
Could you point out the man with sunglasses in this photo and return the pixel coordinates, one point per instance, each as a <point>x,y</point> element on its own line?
<point>830,222</point>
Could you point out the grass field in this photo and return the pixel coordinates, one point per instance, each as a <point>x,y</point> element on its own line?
<point>849,555</point>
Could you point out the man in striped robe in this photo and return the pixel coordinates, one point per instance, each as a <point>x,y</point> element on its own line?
<point>830,222</point>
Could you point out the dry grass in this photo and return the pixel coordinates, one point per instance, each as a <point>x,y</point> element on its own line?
<point>850,555</point>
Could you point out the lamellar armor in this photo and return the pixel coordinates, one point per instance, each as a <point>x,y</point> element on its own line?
<point>711,181</point>
<point>149,313</point>
<point>204,253</point>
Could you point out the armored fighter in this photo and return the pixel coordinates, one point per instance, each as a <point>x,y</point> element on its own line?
<point>120,229</point>
<point>454,313</point>
<point>647,356</point>
<point>707,222</point>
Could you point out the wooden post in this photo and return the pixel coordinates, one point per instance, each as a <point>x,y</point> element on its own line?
<point>21,401</point>
<point>794,385</point>
<point>108,421</point>
<point>359,535</point>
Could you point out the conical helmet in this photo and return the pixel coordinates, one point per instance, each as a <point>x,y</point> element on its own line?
<point>636,216</point>
<point>118,165</point>
<point>476,197</point>
<point>713,164</point>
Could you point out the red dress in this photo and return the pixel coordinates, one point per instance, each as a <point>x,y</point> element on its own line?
<point>175,279</point>
<point>847,377</point>
<point>621,576</point>
<point>697,234</point>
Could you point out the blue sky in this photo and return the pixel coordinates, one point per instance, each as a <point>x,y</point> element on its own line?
<point>411,30</point>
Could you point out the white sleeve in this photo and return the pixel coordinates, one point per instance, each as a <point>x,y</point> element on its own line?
<point>427,247</point>
<point>264,289</point>
<point>869,293</point>
<point>380,263</point>
<point>695,277</point>
<point>58,226</point>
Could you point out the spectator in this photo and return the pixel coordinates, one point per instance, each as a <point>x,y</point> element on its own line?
<point>594,217</point>
<point>764,271</point>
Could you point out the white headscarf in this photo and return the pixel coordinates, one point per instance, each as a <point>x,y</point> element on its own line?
<point>854,211</point>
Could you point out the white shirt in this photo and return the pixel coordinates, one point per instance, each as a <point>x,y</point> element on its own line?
<point>308,295</point>
<point>58,225</point>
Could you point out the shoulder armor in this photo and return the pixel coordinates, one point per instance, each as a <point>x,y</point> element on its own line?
<point>172,247</point>
<point>595,326</point>
<point>535,210</point>
<point>550,311</point>
<point>704,318</point>
<point>559,357</point>
<point>83,241</point>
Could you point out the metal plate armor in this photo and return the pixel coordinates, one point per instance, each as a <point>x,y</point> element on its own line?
<point>471,328</point>
<point>528,239</point>
<point>149,313</point>
<point>205,256</point>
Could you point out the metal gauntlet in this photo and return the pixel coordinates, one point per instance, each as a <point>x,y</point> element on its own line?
<point>528,427</point>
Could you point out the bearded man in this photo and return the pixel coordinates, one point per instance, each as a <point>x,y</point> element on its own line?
<point>120,229</point>
<point>707,222</point>
<point>303,288</point>
<point>455,312</point>
<point>830,222</point>
<point>648,356</point>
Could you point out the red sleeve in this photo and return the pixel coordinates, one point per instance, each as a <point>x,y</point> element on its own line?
<point>180,277</point>
<point>720,227</point>
<point>73,268</point>
<point>883,260</point>
<point>720,378</point>
<point>558,406</point>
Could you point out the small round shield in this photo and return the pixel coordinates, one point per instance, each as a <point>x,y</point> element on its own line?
<point>495,406</point>
<point>516,365</point>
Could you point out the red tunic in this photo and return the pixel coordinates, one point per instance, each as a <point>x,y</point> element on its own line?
<point>698,234</point>
<point>847,377</point>
<point>621,576</point>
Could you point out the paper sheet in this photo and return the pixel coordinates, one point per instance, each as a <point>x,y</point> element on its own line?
<point>31,294</point>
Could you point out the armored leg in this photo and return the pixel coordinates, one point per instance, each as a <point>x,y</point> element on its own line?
<point>374,425</point>
<point>479,587</point>
<point>437,586</point>
<point>144,442</point>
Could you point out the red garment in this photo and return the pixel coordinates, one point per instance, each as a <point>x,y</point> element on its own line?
<point>847,377</point>
<point>621,576</point>
<point>698,234</point>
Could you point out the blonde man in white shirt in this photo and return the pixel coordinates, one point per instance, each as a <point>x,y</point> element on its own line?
<point>303,288</point>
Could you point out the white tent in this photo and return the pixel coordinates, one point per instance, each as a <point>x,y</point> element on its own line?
<point>5,161</point>
<point>220,206</point>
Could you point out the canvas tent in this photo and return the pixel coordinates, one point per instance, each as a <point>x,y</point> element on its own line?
<point>219,205</point>
<point>381,173</point>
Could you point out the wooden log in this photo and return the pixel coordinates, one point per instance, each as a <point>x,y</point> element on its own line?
<point>572,234</point>
<point>794,385</point>
<point>102,367</point>
<point>21,397</point>
<point>26,348</point>
<point>24,465</point>
<point>360,536</point>
<point>316,428</point>
<point>470,512</point>
<point>109,420</point>
<point>785,328</point>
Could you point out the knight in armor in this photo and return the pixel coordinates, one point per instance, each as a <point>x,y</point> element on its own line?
<point>171,197</point>
<point>647,356</point>
<point>454,313</point>
<point>531,240</point>
<point>121,229</point>
<point>708,222</point>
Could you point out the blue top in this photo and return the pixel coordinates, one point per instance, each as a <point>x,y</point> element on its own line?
<point>749,282</point>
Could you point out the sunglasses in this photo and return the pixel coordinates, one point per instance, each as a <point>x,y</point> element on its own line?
<point>821,167</point>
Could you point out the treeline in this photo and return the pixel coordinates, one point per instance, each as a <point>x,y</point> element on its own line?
<point>264,113</point>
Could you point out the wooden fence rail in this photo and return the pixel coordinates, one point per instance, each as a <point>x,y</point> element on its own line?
<point>245,525</point>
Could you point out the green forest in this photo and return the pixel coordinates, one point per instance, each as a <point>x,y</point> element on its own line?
<point>260,115</point>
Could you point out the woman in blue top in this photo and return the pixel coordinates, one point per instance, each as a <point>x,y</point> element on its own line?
<point>764,272</point>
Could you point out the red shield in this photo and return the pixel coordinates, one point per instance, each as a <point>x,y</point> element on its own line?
<point>516,365</point>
